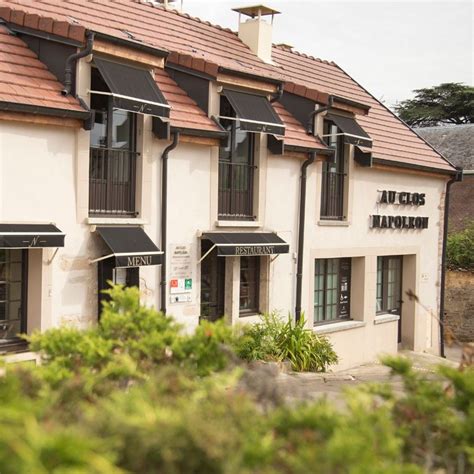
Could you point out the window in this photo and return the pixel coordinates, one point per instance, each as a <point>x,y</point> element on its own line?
<point>332,282</point>
<point>389,285</point>
<point>333,176</point>
<point>249,285</point>
<point>236,169</point>
<point>12,293</point>
<point>113,160</point>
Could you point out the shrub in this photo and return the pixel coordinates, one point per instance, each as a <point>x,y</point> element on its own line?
<point>274,340</point>
<point>460,249</point>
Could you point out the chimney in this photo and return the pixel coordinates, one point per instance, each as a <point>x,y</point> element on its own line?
<point>256,32</point>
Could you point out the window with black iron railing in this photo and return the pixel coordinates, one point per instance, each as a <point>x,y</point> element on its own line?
<point>333,176</point>
<point>113,159</point>
<point>112,179</point>
<point>237,174</point>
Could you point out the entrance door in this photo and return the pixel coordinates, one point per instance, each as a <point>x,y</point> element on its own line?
<point>212,283</point>
<point>118,276</point>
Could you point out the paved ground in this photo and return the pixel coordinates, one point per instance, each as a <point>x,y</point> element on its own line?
<point>307,386</point>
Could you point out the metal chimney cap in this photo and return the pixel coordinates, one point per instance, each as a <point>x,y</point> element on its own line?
<point>256,11</point>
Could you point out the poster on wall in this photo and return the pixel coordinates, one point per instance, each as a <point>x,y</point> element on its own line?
<point>344,287</point>
<point>181,281</point>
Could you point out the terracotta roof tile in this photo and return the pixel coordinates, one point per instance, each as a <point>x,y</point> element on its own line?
<point>24,79</point>
<point>295,134</point>
<point>392,139</point>
<point>184,111</point>
<point>152,26</point>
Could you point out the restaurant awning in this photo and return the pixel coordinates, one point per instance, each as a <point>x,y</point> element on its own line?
<point>22,236</point>
<point>129,246</point>
<point>246,243</point>
<point>254,112</point>
<point>132,88</point>
<point>353,133</point>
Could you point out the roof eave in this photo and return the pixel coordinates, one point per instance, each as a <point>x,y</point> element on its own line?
<point>41,110</point>
<point>414,166</point>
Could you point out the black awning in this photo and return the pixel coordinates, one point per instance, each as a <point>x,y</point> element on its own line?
<point>363,156</point>
<point>22,236</point>
<point>132,88</point>
<point>129,246</point>
<point>247,243</point>
<point>254,112</point>
<point>353,133</point>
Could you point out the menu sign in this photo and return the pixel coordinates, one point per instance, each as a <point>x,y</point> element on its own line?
<point>344,287</point>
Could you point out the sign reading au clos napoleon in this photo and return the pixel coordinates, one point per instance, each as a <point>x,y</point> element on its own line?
<point>400,221</point>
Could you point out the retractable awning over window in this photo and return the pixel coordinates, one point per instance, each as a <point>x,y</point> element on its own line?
<point>353,133</point>
<point>132,88</point>
<point>22,236</point>
<point>246,243</point>
<point>129,246</point>
<point>254,112</point>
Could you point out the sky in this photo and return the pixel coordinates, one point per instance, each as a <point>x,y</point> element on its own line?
<point>391,47</point>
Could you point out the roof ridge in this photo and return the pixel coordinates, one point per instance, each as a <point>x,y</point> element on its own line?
<point>304,55</point>
<point>151,4</point>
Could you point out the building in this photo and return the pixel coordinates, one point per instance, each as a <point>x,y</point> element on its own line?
<point>456,143</point>
<point>221,174</point>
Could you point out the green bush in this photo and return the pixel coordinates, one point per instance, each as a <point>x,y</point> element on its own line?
<point>274,340</point>
<point>460,249</point>
<point>135,395</point>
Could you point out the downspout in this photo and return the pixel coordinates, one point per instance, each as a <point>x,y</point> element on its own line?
<point>278,94</point>
<point>310,126</point>
<point>299,263</point>
<point>71,61</point>
<point>457,177</point>
<point>304,167</point>
<point>164,214</point>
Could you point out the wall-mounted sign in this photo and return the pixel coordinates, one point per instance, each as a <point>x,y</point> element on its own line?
<point>127,261</point>
<point>344,287</point>
<point>181,282</point>
<point>401,198</point>
<point>398,222</point>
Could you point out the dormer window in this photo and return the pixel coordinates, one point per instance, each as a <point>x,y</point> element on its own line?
<point>334,175</point>
<point>243,115</point>
<point>118,93</point>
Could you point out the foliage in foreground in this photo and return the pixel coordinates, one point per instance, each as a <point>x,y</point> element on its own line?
<point>274,340</point>
<point>175,422</point>
<point>138,396</point>
<point>460,249</point>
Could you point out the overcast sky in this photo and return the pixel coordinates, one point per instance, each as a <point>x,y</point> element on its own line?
<point>390,46</point>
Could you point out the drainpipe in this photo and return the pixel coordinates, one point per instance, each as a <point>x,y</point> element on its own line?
<point>310,126</point>
<point>278,94</point>
<point>299,263</point>
<point>164,214</point>
<point>457,177</point>
<point>71,61</point>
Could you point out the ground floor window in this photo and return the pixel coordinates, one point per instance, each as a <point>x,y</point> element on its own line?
<point>13,271</point>
<point>332,282</point>
<point>389,284</point>
<point>249,285</point>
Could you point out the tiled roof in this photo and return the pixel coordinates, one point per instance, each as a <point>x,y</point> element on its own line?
<point>184,111</point>
<point>204,44</point>
<point>295,134</point>
<point>455,142</point>
<point>25,80</point>
<point>393,141</point>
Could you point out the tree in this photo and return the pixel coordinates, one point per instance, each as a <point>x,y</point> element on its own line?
<point>448,103</point>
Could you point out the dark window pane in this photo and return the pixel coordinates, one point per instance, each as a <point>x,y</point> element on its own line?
<point>331,289</point>
<point>249,284</point>
<point>12,280</point>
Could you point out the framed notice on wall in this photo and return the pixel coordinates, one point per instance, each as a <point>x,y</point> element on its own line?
<point>344,288</point>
